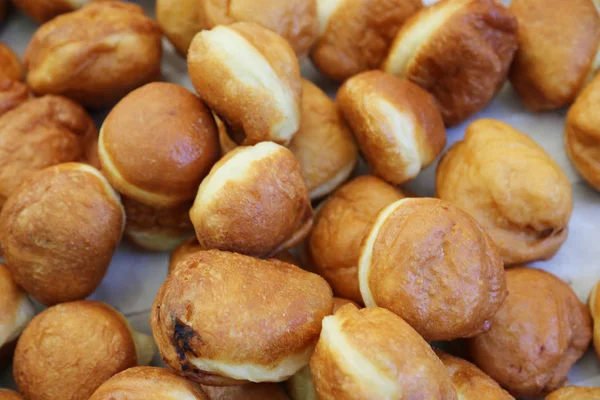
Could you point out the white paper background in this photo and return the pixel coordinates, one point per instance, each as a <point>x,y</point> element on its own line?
<point>135,276</point>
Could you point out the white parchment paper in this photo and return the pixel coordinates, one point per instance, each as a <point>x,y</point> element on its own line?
<point>135,276</point>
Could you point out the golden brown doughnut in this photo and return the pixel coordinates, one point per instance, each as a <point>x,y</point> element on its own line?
<point>294,20</point>
<point>324,147</point>
<point>333,245</point>
<point>95,55</point>
<point>59,230</point>
<point>429,262</point>
<point>594,305</point>
<point>254,201</point>
<point>516,191</point>
<point>157,144</point>
<point>575,393</point>
<point>191,246</point>
<point>69,350</point>
<point>372,353</point>
<point>16,310</point>
<point>582,135</point>
<point>6,394</point>
<point>470,382</point>
<point>148,383</point>
<point>458,50</point>
<point>40,133</point>
<point>10,66</point>
<point>157,229</point>
<point>540,331</point>
<point>398,125</point>
<point>558,51</point>
<point>251,391</point>
<point>223,318</point>
<point>355,35</point>
<point>42,11</point>
<point>250,77</point>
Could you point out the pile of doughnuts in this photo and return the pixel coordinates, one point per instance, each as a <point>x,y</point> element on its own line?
<point>293,274</point>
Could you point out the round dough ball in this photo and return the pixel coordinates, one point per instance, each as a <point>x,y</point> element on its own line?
<point>12,93</point>
<point>540,331</point>
<point>42,11</point>
<point>157,229</point>
<point>294,20</point>
<point>594,306</point>
<point>355,35</point>
<point>69,350</point>
<point>332,248</point>
<point>458,50</point>
<point>254,202</point>
<point>470,382</point>
<point>223,318</point>
<point>59,230</point>
<point>95,55</point>
<point>429,262</point>
<point>250,77</point>
<point>575,393</point>
<point>251,391</point>
<point>557,56</point>
<point>149,383</point>
<point>582,135</point>
<point>372,353</point>
<point>16,310</point>
<point>157,145</point>
<point>516,191</point>
<point>323,146</point>
<point>398,125</point>
<point>40,133</point>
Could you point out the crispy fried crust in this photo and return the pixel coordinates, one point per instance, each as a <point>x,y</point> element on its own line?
<point>458,50</point>
<point>223,318</point>
<point>540,331</point>
<point>573,392</point>
<point>118,51</point>
<point>372,353</point>
<point>397,124</point>
<point>77,219</point>
<point>69,350</point>
<point>251,391</point>
<point>516,191</point>
<point>558,43</point>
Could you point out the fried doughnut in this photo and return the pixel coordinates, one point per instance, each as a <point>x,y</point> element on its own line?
<point>431,263</point>
<point>372,353</point>
<point>254,202</point>
<point>69,350</point>
<point>540,331</point>
<point>261,327</point>
<point>157,144</point>
<point>398,125</point>
<point>59,230</point>
<point>95,55</point>
<point>250,77</point>
<point>12,91</point>
<point>458,50</point>
<point>575,393</point>
<point>558,51</point>
<point>516,191</point>
<point>251,391</point>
